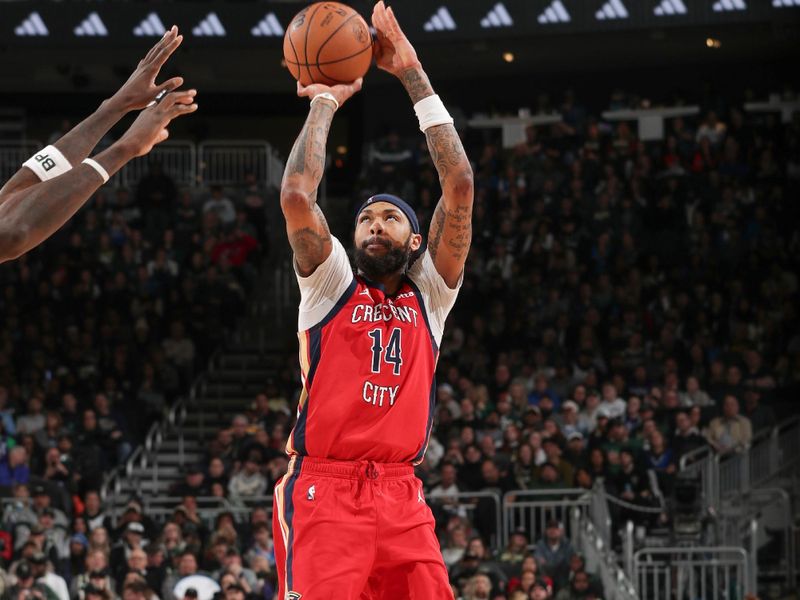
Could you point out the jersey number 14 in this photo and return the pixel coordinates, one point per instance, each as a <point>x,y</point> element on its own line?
<point>391,354</point>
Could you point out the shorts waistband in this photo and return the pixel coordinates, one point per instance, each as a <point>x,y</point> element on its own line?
<point>351,469</point>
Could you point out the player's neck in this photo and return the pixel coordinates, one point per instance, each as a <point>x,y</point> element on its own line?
<point>390,283</point>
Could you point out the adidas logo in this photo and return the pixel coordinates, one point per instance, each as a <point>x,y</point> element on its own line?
<point>670,7</point>
<point>497,17</point>
<point>91,26</point>
<point>268,27</point>
<point>728,5</point>
<point>779,3</point>
<point>441,20</point>
<point>555,13</point>
<point>151,26</point>
<point>613,9</point>
<point>211,26</point>
<point>32,25</point>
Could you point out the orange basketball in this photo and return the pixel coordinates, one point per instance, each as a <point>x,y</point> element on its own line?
<point>329,43</point>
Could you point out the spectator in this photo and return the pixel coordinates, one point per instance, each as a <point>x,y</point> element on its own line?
<point>248,481</point>
<point>14,467</point>
<point>579,588</point>
<point>761,417</point>
<point>221,206</point>
<point>47,578</point>
<point>687,437</point>
<point>553,551</point>
<point>731,431</point>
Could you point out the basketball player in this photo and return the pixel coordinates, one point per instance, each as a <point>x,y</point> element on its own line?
<point>56,181</point>
<point>350,518</point>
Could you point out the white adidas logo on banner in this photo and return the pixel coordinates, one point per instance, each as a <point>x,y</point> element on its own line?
<point>269,26</point>
<point>670,7</point>
<point>211,26</point>
<point>497,17</point>
<point>32,26</point>
<point>151,26</point>
<point>728,5</point>
<point>441,20</point>
<point>91,26</point>
<point>780,3</point>
<point>555,13</point>
<point>613,9</point>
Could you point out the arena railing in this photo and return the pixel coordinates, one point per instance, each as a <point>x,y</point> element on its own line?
<point>227,162</point>
<point>710,573</point>
<point>532,509</point>
<point>469,503</point>
<point>217,162</point>
<point>601,559</point>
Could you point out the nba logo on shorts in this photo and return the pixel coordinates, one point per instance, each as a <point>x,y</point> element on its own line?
<point>293,596</point>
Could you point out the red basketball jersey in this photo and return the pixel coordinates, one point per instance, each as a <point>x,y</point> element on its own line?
<point>368,363</point>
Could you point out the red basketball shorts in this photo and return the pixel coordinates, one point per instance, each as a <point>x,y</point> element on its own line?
<point>355,531</point>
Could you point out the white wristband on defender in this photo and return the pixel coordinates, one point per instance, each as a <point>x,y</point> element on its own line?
<point>48,163</point>
<point>327,96</point>
<point>97,167</point>
<point>431,112</point>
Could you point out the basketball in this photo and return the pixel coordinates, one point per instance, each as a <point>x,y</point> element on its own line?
<point>328,43</point>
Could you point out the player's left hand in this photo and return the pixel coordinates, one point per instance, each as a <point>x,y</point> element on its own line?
<point>393,52</point>
<point>141,88</point>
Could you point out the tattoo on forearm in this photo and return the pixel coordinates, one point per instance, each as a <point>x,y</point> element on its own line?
<point>451,231</point>
<point>416,83</point>
<point>308,153</point>
<point>446,151</point>
<point>309,244</point>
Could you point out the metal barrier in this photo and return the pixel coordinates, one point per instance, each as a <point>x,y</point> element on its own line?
<point>222,162</point>
<point>177,158</point>
<point>720,573</point>
<point>600,559</point>
<point>531,509</point>
<point>227,162</point>
<point>470,502</point>
<point>12,155</point>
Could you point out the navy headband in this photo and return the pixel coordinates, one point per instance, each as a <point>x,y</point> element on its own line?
<point>401,204</point>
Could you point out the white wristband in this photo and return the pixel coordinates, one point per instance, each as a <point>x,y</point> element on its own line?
<point>97,167</point>
<point>48,163</point>
<point>431,112</point>
<point>327,96</point>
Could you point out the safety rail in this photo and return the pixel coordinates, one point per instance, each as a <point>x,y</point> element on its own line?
<point>143,454</point>
<point>770,454</point>
<point>532,509</point>
<point>470,503</point>
<point>216,162</point>
<point>601,559</point>
<point>228,162</point>
<point>710,573</point>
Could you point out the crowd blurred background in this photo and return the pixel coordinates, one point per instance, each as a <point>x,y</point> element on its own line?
<point>624,304</point>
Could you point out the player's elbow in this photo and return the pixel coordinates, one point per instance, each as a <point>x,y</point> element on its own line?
<point>461,184</point>
<point>12,242</point>
<point>294,199</point>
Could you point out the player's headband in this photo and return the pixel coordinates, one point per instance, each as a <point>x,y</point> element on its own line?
<point>401,204</point>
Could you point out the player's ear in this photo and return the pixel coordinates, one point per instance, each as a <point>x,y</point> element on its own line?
<point>416,242</point>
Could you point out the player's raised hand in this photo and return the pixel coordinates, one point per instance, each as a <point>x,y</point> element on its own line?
<point>393,52</point>
<point>141,87</point>
<point>341,91</point>
<point>150,127</point>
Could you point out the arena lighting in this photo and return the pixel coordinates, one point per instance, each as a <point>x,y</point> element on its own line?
<point>713,43</point>
<point>341,149</point>
<point>508,57</point>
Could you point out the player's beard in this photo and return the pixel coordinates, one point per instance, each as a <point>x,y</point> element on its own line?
<point>375,267</point>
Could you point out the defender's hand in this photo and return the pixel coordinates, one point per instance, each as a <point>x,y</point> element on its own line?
<point>150,127</point>
<point>393,52</point>
<point>141,88</point>
<point>342,92</point>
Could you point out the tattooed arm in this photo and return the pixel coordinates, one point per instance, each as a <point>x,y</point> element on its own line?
<point>306,227</point>
<point>451,228</point>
